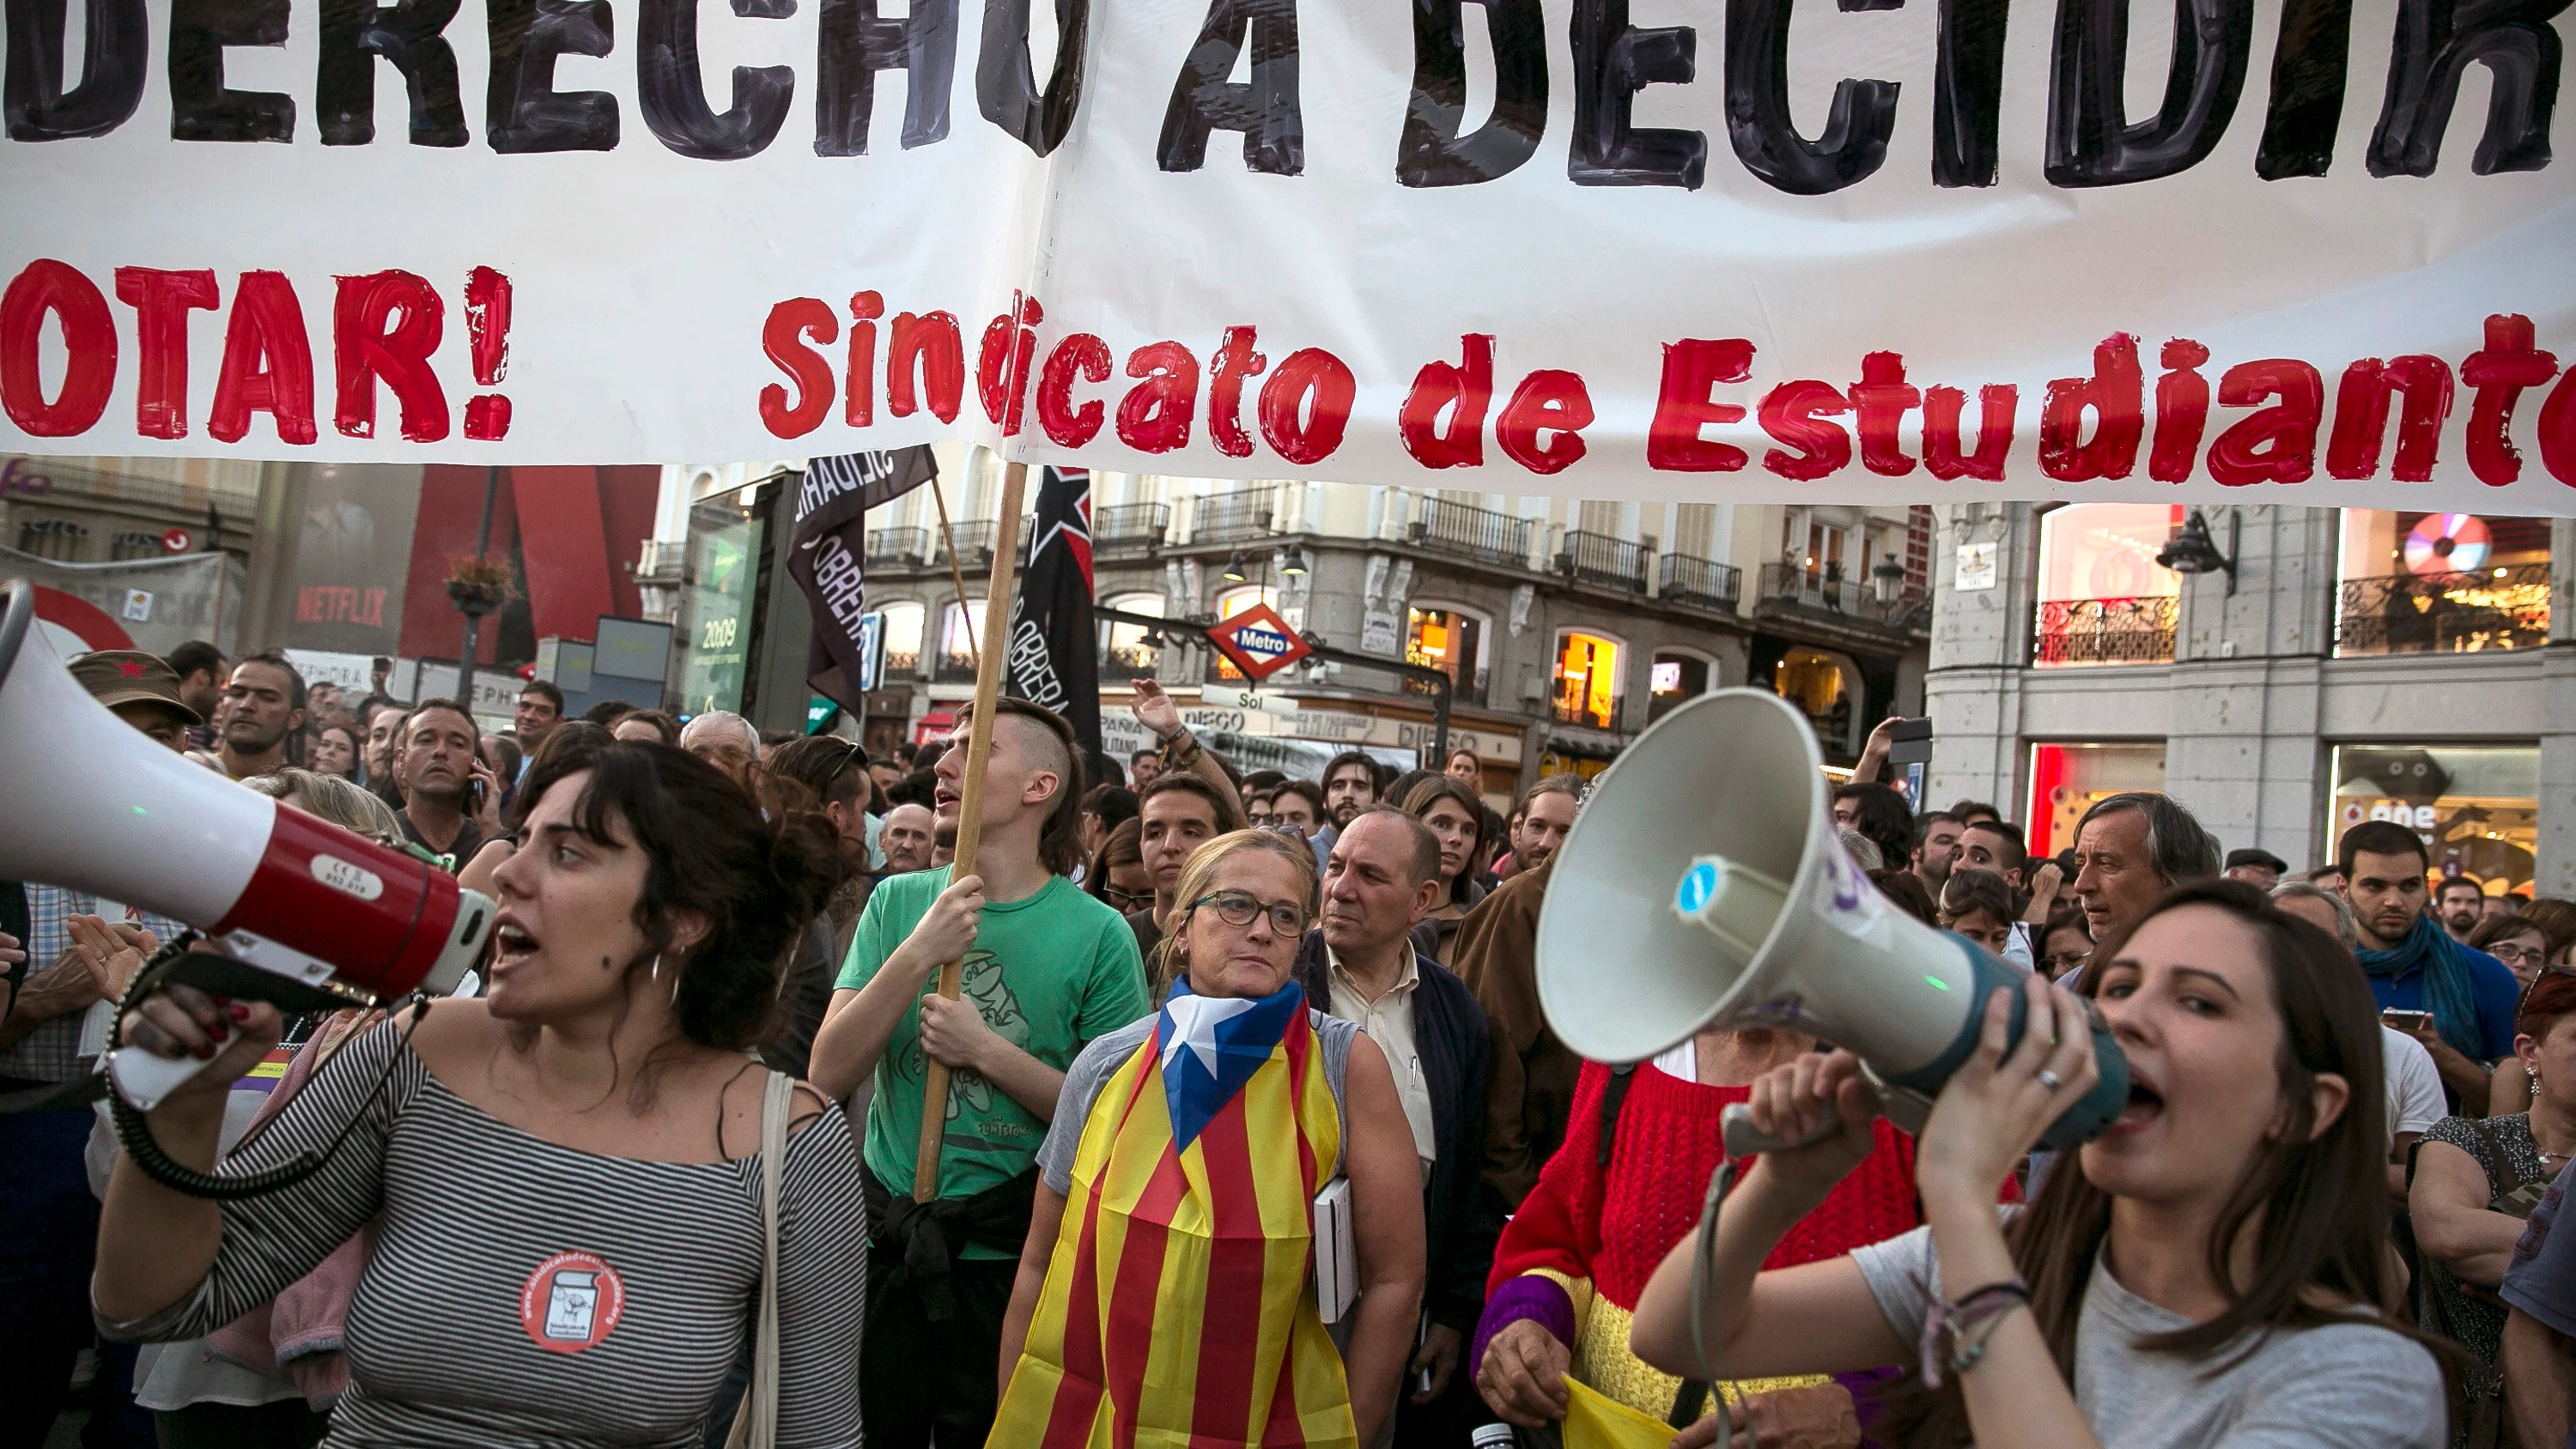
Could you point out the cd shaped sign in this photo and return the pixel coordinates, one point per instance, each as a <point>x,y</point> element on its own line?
<point>2448,543</point>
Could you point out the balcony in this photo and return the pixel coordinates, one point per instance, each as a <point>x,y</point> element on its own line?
<point>953,668</point>
<point>2105,631</point>
<point>1598,558</point>
<point>1569,707</point>
<point>976,537</point>
<point>1130,527</point>
<point>1472,532</point>
<point>898,546</point>
<point>1793,589</point>
<point>905,662</point>
<point>1700,583</point>
<point>663,561</point>
<point>2450,613</point>
<point>1234,517</point>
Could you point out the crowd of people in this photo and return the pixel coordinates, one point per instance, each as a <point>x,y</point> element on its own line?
<point>1253,1130</point>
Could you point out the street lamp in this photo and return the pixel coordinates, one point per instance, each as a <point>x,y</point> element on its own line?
<point>2193,551</point>
<point>1887,581</point>
<point>1294,565</point>
<point>1234,573</point>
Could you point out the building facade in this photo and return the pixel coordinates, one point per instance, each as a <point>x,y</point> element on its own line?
<point>2324,667</point>
<point>1564,627</point>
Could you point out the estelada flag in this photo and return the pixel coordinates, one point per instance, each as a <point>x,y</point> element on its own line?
<point>1179,1309</point>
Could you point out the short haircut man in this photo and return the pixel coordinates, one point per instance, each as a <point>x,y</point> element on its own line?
<point>266,696</point>
<point>1353,780</point>
<point>1299,803</point>
<point>2414,965</point>
<point>2131,849</point>
<point>439,749</point>
<point>1178,813</point>
<point>1995,845</point>
<point>906,839</point>
<point>1046,969</point>
<point>1542,819</point>
<point>1142,767</point>
<point>1936,849</point>
<point>2459,903</point>
<point>200,667</point>
<point>539,710</point>
<point>1359,964</point>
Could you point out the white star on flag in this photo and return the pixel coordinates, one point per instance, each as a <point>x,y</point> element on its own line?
<point>1194,1023</point>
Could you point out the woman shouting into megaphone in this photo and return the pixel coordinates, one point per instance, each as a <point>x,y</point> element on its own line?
<point>2212,1271</point>
<point>578,1182</point>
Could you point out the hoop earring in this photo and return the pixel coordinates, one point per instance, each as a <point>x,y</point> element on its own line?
<point>656,972</point>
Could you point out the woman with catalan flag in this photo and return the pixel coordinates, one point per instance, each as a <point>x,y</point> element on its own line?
<point>1167,1292</point>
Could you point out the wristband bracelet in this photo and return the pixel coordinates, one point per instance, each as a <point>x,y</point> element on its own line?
<point>1955,1332</point>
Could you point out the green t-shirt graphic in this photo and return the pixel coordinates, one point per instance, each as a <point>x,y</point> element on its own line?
<point>1049,973</point>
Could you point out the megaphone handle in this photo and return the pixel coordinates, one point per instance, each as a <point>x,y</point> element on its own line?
<point>1743,1139</point>
<point>144,1078</point>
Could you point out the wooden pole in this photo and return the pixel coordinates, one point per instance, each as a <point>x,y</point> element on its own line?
<point>956,574</point>
<point>970,804</point>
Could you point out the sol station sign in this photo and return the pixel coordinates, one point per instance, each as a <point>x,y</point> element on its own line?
<point>1258,642</point>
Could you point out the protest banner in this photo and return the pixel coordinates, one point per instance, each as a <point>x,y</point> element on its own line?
<point>2296,251</point>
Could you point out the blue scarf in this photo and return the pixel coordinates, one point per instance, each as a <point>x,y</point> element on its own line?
<point>1212,1045</point>
<point>2447,988</point>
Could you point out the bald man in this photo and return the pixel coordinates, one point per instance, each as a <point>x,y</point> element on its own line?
<point>906,839</point>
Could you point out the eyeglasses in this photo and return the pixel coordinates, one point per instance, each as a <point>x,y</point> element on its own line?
<point>2513,955</point>
<point>1126,900</point>
<point>1238,908</point>
<point>2064,961</point>
<point>855,754</point>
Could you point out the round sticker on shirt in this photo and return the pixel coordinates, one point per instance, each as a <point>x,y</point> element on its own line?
<point>571,1302</point>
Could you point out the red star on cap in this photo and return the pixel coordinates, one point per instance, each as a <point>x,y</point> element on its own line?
<point>130,668</point>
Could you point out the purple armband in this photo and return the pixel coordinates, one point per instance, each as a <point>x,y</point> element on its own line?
<point>1532,1296</point>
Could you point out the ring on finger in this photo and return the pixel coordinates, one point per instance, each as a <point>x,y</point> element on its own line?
<point>2051,1080</point>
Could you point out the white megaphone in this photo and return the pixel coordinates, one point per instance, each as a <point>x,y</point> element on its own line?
<point>1702,886</point>
<point>94,806</point>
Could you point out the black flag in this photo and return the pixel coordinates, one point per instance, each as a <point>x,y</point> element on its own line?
<point>830,539</point>
<point>1054,658</point>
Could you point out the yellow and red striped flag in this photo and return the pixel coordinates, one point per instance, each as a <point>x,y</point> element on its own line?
<point>1179,1309</point>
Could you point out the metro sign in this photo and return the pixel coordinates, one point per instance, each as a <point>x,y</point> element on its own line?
<point>1258,642</point>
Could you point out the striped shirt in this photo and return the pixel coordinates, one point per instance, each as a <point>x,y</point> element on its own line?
<point>523,1293</point>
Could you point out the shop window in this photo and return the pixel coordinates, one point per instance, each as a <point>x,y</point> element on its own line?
<point>2067,780</point>
<point>1453,642</point>
<point>1826,686</point>
<point>2477,808</point>
<point>957,644</point>
<point>2426,583</point>
<point>903,623</point>
<point>2103,598</point>
<point>1674,678</point>
<point>1587,680</point>
<point>1125,652</point>
<point>1231,603</point>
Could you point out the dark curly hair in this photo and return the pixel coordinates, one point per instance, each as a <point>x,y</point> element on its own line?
<point>756,882</point>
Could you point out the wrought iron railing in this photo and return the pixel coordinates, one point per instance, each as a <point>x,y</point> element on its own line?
<point>1130,526</point>
<point>663,560</point>
<point>976,537</point>
<point>1136,662</point>
<point>2105,631</point>
<point>1794,587</point>
<point>898,545</point>
<point>1702,583</point>
<point>2448,613</point>
<point>1598,558</point>
<point>905,662</point>
<point>955,668</point>
<point>1465,529</point>
<point>1232,517</point>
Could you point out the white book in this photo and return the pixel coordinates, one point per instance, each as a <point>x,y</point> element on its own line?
<point>1337,1255</point>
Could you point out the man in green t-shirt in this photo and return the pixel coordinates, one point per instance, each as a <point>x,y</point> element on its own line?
<point>1047,969</point>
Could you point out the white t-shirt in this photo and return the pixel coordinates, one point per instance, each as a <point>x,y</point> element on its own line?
<point>2343,1386</point>
<point>2415,1099</point>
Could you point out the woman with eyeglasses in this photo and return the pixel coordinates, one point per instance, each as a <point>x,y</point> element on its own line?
<point>1166,1293</point>
<point>2525,949</point>
<point>1117,874</point>
<point>2066,942</point>
<point>2476,1179</point>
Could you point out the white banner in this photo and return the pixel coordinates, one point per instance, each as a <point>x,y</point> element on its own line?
<point>1905,250</point>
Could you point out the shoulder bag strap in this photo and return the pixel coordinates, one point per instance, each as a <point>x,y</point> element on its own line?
<point>755,1424</point>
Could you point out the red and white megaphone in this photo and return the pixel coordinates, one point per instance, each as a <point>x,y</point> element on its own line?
<point>94,806</point>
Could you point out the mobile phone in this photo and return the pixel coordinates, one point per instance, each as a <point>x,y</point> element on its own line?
<point>2407,1021</point>
<point>475,789</point>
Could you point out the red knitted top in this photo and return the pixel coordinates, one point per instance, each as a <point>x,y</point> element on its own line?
<point>1614,1228</point>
